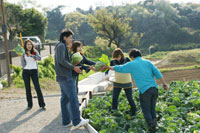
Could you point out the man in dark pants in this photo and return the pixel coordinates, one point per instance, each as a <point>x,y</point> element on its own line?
<point>69,99</point>
<point>143,72</point>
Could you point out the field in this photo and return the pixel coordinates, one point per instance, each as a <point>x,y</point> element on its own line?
<point>177,111</point>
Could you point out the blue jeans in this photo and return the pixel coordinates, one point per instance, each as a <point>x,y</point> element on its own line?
<point>128,91</point>
<point>75,77</point>
<point>69,102</point>
<point>148,104</point>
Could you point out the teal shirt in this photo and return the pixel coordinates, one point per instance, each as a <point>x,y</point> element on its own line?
<point>143,72</point>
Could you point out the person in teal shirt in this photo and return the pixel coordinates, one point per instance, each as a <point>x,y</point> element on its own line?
<point>143,73</point>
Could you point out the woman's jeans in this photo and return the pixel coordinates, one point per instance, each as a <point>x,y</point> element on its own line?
<point>128,91</point>
<point>148,105</point>
<point>69,102</point>
<point>27,76</point>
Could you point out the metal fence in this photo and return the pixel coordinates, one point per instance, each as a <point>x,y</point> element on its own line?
<point>11,46</point>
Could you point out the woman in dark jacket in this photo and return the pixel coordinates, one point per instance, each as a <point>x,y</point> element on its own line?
<point>77,47</point>
<point>30,71</point>
<point>122,81</point>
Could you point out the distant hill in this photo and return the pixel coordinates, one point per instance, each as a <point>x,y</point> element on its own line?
<point>181,58</point>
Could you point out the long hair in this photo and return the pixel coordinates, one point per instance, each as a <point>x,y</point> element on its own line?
<point>25,46</point>
<point>117,52</point>
<point>75,45</point>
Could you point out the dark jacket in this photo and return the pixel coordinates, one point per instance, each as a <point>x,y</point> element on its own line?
<point>83,67</point>
<point>63,67</point>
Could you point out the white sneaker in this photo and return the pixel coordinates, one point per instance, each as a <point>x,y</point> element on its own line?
<point>68,125</point>
<point>82,123</point>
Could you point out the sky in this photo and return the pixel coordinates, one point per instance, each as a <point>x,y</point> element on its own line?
<point>71,5</point>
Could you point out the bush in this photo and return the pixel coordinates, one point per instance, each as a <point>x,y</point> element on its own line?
<point>4,83</point>
<point>184,46</point>
<point>97,51</point>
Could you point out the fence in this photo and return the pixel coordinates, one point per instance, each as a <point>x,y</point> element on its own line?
<point>11,46</point>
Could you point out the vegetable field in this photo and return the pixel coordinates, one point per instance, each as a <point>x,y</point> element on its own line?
<point>178,110</point>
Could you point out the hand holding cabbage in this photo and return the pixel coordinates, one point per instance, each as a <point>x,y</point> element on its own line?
<point>76,58</point>
<point>102,64</point>
<point>19,50</point>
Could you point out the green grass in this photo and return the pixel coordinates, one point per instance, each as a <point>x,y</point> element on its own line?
<point>157,55</point>
<point>179,68</point>
<point>85,75</point>
<point>182,57</point>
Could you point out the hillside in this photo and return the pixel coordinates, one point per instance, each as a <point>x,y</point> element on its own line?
<point>180,58</point>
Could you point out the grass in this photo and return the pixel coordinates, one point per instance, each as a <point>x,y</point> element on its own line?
<point>181,58</point>
<point>179,68</point>
<point>49,84</point>
<point>157,55</point>
<point>85,75</point>
<point>185,56</point>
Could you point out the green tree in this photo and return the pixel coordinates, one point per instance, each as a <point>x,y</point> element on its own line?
<point>135,39</point>
<point>34,23</point>
<point>14,14</point>
<point>78,23</point>
<point>112,26</point>
<point>56,23</point>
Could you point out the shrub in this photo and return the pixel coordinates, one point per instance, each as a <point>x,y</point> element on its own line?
<point>97,51</point>
<point>4,83</point>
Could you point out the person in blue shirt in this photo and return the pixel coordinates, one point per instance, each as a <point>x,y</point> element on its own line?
<point>77,47</point>
<point>143,73</point>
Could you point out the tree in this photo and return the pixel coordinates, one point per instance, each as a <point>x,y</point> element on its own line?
<point>56,23</point>
<point>74,21</point>
<point>135,39</point>
<point>33,23</point>
<point>110,26</point>
<point>14,13</point>
<point>78,23</point>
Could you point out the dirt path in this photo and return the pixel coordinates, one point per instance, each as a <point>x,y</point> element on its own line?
<point>15,119</point>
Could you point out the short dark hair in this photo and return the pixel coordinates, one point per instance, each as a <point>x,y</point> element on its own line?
<point>65,33</point>
<point>117,52</point>
<point>135,53</point>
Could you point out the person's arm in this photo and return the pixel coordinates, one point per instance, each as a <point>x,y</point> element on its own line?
<point>155,71</point>
<point>36,56</point>
<point>111,64</point>
<point>23,62</point>
<point>88,62</point>
<point>165,86</point>
<point>159,76</point>
<point>61,58</point>
<point>126,68</point>
<point>83,67</point>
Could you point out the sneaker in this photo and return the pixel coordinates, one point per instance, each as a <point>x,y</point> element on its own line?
<point>68,125</point>
<point>28,108</point>
<point>43,108</point>
<point>82,123</point>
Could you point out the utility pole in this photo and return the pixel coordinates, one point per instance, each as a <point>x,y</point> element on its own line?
<point>4,31</point>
